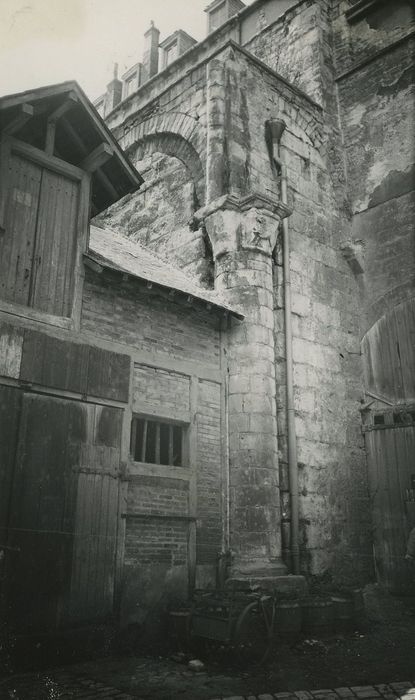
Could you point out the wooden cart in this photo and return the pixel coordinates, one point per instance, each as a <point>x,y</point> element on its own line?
<point>242,619</point>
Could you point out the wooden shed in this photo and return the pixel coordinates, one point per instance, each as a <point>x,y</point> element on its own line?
<point>60,399</point>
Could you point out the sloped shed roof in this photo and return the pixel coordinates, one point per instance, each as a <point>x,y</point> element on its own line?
<point>117,252</point>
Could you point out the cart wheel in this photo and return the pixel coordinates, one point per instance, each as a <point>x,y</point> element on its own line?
<point>255,631</point>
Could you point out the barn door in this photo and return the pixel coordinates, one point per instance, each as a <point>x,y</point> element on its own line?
<point>61,522</point>
<point>10,400</point>
<point>42,509</point>
<point>391,463</point>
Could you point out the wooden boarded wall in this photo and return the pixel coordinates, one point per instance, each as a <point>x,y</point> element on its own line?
<point>39,243</point>
<point>388,350</point>
<point>60,474</point>
<point>391,463</point>
<point>389,364</point>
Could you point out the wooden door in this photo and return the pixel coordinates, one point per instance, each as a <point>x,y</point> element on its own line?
<point>17,241</point>
<point>391,463</point>
<point>55,247</point>
<point>62,517</point>
<point>10,400</point>
<point>39,241</point>
<point>97,517</point>
<point>42,512</point>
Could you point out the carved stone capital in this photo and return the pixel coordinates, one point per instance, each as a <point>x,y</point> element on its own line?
<point>242,223</point>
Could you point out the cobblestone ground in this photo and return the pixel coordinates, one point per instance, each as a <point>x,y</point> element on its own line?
<point>58,686</point>
<point>362,665</point>
<point>64,686</point>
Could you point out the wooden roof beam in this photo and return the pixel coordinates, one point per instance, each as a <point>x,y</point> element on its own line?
<point>98,157</point>
<point>25,113</point>
<point>83,149</point>
<point>108,185</point>
<point>70,101</point>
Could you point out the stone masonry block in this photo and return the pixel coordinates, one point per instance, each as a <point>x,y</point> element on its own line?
<point>344,693</point>
<point>365,691</point>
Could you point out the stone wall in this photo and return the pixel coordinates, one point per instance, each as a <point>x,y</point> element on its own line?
<point>291,46</point>
<point>335,530</point>
<point>377,116</point>
<point>232,107</point>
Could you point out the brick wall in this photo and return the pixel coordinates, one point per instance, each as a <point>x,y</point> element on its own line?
<point>209,481</point>
<point>157,505</point>
<point>157,388</point>
<point>128,314</point>
<point>158,496</point>
<point>152,541</point>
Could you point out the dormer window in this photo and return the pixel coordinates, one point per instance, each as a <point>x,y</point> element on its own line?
<point>131,80</point>
<point>174,46</point>
<point>171,54</point>
<point>218,17</point>
<point>219,11</point>
<point>99,105</point>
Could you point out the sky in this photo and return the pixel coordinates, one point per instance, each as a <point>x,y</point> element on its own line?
<point>48,41</point>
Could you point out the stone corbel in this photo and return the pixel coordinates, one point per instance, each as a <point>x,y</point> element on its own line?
<point>353,251</point>
<point>247,223</point>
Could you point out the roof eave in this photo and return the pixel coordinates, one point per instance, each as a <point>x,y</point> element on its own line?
<point>107,265</point>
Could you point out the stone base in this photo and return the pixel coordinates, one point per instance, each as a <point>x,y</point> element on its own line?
<point>289,586</point>
<point>254,568</point>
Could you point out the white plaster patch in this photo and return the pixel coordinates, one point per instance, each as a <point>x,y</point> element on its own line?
<point>356,114</point>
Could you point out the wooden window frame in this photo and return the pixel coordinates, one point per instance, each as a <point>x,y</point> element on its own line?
<point>9,146</point>
<point>159,421</point>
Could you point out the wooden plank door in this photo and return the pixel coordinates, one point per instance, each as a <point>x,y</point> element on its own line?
<point>60,516</point>
<point>10,400</point>
<point>97,517</point>
<point>55,247</point>
<point>391,463</point>
<point>42,512</point>
<point>38,241</point>
<point>17,241</point>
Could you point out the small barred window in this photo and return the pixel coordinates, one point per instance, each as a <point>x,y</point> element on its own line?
<point>157,442</point>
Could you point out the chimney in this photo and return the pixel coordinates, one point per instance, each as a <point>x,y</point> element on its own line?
<point>114,91</point>
<point>151,52</point>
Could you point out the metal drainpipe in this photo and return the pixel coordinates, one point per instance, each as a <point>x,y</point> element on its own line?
<point>274,131</point>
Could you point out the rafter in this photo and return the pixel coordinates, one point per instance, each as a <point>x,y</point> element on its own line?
<point>25,113</point>
<point>83,149</point>
<point>98,157</point>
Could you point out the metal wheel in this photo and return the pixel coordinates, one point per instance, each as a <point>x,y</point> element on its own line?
<point>255,631</point>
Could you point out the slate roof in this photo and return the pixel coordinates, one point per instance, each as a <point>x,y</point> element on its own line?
<point>115,251</point>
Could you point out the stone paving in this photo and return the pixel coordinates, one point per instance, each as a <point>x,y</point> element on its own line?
<point>404,691</point>
<point>64,686</point>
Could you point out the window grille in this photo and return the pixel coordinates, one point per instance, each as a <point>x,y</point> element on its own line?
<point>157,442</point>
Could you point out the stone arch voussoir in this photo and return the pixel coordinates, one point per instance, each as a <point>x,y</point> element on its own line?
<point>175,135</point>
